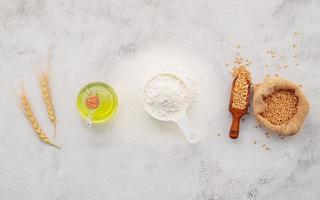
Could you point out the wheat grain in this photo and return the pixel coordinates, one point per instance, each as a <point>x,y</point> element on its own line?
<point>45,89</point>
<point>33,121</point>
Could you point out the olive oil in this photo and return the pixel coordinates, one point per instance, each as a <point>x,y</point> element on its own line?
<point>106,102</point>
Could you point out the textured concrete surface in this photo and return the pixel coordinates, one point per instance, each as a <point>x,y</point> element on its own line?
<point>133,156</point>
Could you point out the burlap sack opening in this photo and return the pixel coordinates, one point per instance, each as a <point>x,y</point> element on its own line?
<point>269,86</point>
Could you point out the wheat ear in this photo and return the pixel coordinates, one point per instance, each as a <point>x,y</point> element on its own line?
<point>33,121</point>
<point>45,89</point>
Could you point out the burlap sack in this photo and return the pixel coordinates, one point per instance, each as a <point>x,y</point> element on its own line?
<point>269,86</point>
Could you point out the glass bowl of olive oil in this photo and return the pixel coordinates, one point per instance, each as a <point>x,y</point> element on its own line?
<point>97,102</point>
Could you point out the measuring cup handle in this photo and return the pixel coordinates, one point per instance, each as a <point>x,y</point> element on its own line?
<point>188,130</point>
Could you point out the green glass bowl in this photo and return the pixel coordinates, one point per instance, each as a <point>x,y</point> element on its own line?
<point>108,102</point>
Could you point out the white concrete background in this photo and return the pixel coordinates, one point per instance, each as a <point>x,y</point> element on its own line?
<point>133,156</point>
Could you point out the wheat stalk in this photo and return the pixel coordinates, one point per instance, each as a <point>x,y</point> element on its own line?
<point>33,121</point>
<point>45,89</point>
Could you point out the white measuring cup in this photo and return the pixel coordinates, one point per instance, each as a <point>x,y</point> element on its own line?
<point>178,117</point>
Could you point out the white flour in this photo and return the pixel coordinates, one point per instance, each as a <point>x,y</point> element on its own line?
<point>166,97</point>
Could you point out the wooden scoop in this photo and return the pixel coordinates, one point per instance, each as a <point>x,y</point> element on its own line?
<point>237,113</point>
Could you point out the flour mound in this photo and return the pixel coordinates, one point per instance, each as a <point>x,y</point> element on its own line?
<point>166,97</point>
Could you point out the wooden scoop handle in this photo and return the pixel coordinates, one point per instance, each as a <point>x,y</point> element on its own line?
<point>234,129</point>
